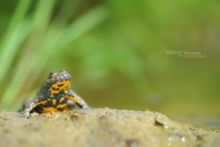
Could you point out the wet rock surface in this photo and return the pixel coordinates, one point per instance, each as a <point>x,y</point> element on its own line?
<point>102,127</point>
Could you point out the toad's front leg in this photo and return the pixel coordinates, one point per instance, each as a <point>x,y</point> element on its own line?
<point>27,107</point>
<point>78,100</point>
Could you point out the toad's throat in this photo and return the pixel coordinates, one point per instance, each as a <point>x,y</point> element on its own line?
<point>60,86</point>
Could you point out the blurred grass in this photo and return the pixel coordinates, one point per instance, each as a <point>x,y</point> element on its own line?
<point>14,36</point>
<point>52,39</point>
<point>115,51</point>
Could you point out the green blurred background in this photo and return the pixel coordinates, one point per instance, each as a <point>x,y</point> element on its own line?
<point>157,55</point>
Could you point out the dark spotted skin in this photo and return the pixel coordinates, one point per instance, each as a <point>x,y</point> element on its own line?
<point>54,95</point>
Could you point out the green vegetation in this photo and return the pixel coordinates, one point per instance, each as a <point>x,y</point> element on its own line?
<point>117,51</point>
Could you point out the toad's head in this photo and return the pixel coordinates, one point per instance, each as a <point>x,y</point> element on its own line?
<point>57,83</point>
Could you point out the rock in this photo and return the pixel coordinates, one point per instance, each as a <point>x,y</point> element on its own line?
<point>101,127</point>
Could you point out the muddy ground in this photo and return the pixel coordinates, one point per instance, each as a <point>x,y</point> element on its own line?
<point>101,127</point>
